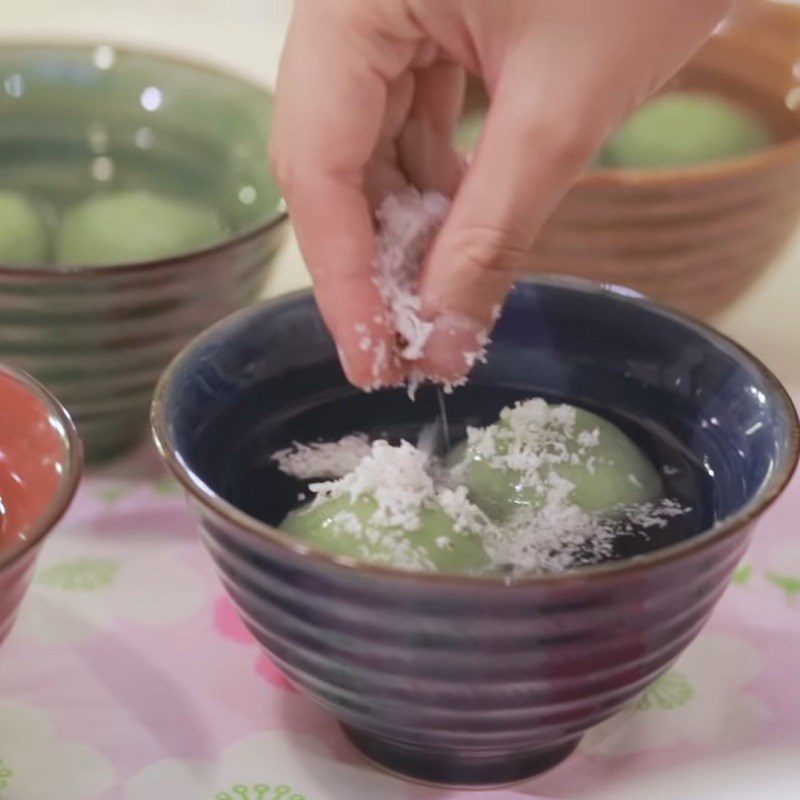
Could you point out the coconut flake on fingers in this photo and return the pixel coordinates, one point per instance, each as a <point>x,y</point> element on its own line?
<point>407,224</point>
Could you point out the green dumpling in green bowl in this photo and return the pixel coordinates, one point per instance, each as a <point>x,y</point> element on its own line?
<point>132,226</point>
<point>23,238</point>
<point>537,453</point>
<point>469,130</point>
<point>346,527</point>
<point>684,128</point>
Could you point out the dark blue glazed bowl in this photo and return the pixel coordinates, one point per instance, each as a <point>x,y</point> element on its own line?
<point>455,679</point>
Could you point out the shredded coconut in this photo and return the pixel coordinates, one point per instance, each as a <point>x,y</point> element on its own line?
<point>443,542</point>
<point>467,518</point>
<point>407,223</point>
<point>530,438</point>
<point>396,477</point>
<point>553,538</point>
<point>400,482</point>
<point>347,522</point>
<point>560,536</point>
<point>323,459</point>
<point>403,480</point>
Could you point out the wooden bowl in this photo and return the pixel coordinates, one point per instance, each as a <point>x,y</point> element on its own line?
<point>695,237</point>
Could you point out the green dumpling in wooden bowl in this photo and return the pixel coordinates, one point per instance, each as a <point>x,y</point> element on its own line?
<point>347,527</point>
<point>134,225</point>
<point>469,130</point>
<point>684,128</point>
<point>537,453</point>
<point>23,238</point>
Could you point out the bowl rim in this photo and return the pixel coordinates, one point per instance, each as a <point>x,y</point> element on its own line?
<point>726,528</point>
<point>275,219</point>
<point>68,481</point>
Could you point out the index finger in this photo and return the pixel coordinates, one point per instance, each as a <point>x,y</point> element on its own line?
<point>328,112</point>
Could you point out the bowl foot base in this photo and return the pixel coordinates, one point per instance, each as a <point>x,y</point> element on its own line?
<point>458,770</point>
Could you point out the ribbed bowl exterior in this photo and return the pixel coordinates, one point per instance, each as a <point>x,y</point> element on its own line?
<point>463,683</point>
<point>99,338</point>
<point>465,680</point>
<point>694,245</point>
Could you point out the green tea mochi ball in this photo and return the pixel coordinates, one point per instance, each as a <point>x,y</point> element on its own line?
<point>682,128</point>
<point>469,131</point>
<point>539,453</point>
<point>346,527</point>
<point>23,239</point>
<point>134,225</point>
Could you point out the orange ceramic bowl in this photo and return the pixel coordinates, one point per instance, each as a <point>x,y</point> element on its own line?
<point>696,237</point>
<point>40,466</point>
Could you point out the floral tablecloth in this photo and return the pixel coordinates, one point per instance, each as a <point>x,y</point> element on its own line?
<point>129,676</point>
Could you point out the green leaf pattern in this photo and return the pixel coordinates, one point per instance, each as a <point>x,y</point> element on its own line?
<point>80,574</point>
<point>789,584</point>
<point>167,486</point>
<point>742,574</point>
<point>5,774</point>
<point>259,791</point>
<point>670,691</point>
<point>111,493</point>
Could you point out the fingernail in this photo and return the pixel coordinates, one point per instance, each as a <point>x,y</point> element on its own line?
<point>455,345</point>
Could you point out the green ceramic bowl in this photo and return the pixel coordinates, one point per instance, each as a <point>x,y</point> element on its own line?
<point>76,121</point>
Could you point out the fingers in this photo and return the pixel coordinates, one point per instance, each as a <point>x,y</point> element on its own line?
<point>383,175</point>
<point>425,143</point>
<point>536,140</point>
<point>319,152</point>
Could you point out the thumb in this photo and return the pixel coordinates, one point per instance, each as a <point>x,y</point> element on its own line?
<point>536,139</point>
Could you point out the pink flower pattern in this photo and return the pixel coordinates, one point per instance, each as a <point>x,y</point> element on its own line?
<point>229,625</point>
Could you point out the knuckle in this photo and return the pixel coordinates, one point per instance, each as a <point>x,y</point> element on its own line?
<point>488,249</point>
<point>280,165</point>
<point>567,142</point>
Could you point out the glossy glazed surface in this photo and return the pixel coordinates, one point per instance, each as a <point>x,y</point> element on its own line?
<point>40,466</point>
<point>464,680</point>
<point>76,120</point>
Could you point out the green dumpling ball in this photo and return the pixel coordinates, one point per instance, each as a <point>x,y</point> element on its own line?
<point>23,238</point>
<point>683,128</point>
<point>345,527</point>
<point>134,225</point>
<point>536,451</point>
<point>469,131</point>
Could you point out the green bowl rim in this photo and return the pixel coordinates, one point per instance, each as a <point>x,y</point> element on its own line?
<point>56,271</point>
<point>771,489</point>
<point>68,481</point>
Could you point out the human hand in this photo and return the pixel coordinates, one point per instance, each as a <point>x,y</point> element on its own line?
<point>369,94</point>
